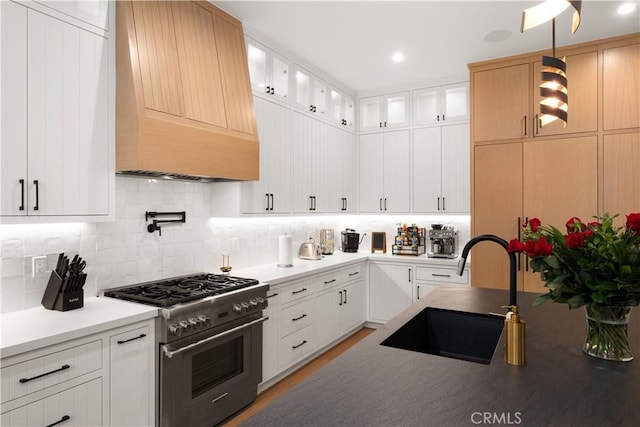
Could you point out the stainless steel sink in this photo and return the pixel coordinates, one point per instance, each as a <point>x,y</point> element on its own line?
<point>450,333</point>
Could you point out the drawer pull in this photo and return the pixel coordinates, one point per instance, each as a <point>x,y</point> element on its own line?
<point>222,396</point>
<point>132,339</point>
<point>295,319</point>
<point>354,274</point>
<point>329,281</point>
<point>440,275</point>
<point>271,296</point>
<point>297,292</point>
<point>25,380</point>
<point>61,420</point>
<point>299,345</point>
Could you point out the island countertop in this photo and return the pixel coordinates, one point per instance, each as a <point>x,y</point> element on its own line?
<point>374,385</point>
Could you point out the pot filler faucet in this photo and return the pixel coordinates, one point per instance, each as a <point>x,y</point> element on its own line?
<point>512,261</point>
<point>515,327</point>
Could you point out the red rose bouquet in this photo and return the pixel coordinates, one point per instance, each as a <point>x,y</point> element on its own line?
<point>591,263</point>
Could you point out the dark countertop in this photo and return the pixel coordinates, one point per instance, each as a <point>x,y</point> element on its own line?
<point>374,385</point>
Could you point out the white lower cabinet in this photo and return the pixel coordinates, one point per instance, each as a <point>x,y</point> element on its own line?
<point>390,290</point>
<point>271,336</point>
<point>393,287</point>
<point>339,310</point>
<point>77,406</point>
<point>106,378</point>
<point>131,360</point>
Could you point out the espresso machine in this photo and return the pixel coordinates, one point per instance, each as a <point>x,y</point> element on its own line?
<point>444,242</point>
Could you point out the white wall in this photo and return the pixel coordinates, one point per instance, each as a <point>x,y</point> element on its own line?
<point>123,252</point>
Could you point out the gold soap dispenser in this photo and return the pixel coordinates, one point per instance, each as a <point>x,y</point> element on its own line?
<point>515,337</point>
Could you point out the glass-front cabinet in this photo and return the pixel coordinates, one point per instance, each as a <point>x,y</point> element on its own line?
<point>441,105</point>
<point>384,112</point>
<point>341,108</point>
<point>269,72</point>
<point>311,92</point>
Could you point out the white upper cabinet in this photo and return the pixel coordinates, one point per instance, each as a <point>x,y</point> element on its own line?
<point>57,114</point>
<point>341,108</point>
<point>268,71</point>
<point>384,112</point>
<point>441,105</point>
<point>441,169</point>
<point>311,93</point>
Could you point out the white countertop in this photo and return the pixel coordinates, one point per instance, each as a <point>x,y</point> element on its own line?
<point>30,329</point>
<point>272,274</point>
<point>38,327</point>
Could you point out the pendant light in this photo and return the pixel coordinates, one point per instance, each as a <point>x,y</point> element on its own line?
<point>553,88</point>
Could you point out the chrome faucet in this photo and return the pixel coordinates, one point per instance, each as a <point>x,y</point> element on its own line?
<point>512,261</point>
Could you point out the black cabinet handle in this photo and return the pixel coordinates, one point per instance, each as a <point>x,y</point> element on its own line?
<point>385,203</point>
<point>417,291</point>
<point>385,124</point>
<point>21,208</point>
<point>297,292</point>
<point>267,196</point>
<point>36,207</point>
<point>443,207</point>
<point>268,91</point>
<point>380,204</point>
<point>26,380</point>
<point>380,124</point>
<point>299,345</point>
<point>132,339</point>
<point>443,117</point>
<point>354,274</point>
<point>345,204</point>
<point>272,91</point>
<point>310,203</point>
<point>271,195</point>
<point>340,303</point>
<point>271,296</point>
<point>329,281</point>
<point>315,200</point>
<point>525,125</point>
<point>409,274</point>
<point>311,108</point>
<point>438,117</point>
<point>438,203</point>
<point>345,296</point>
<point>295,319</point>
<point>440,275</point>
<point>61,420</point>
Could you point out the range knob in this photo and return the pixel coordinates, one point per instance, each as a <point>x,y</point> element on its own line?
<point>254,304</point>
<point>262,303</point>
<point>175,329</point>
<point>245,306</point>
<point>185,324</point>
<point>204,320</point>
<point>237,308</point>
<point>194,323</point>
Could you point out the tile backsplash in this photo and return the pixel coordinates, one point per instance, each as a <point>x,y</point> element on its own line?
<point>123,252</point>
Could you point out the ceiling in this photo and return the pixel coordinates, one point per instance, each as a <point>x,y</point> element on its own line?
<point>353,41</point>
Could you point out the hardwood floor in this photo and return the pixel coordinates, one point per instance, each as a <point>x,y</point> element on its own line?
<point>280,388</point>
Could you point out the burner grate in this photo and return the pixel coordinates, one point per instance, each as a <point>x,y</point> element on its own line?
<point>168,292</point>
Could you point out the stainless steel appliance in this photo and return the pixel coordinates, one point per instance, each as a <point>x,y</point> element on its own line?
<point>444,242</point>
<point>327,241</point>
<point>350,240</point>
<point>310,249</point>
<point>210,344</point>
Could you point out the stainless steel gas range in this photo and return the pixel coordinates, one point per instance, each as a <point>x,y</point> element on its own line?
<point>210,344</point>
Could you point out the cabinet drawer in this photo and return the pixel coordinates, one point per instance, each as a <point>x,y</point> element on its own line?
<point>77,406</point>
<point>296,317</point>
<point>330,280</point>
<point>444,275</point>
<point>39,373</point>
<point>296,291</point>
<point>295,346</point>
<point>353,272</point>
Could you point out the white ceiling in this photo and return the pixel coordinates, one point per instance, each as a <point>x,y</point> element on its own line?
<point>352,41</point>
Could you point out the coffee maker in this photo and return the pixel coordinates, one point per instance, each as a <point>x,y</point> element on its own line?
<point>350,240</point>
<point>444,242</point>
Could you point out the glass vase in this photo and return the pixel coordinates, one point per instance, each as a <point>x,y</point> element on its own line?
<point>607,336</point>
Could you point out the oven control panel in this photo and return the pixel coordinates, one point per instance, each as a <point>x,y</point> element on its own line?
<point>213,315</point>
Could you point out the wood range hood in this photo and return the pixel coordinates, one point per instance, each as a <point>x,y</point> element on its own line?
<point>184,107</point>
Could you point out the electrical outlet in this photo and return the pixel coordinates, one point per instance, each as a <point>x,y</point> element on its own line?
<point>38,265</point>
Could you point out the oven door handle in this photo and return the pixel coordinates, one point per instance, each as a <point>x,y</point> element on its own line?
<point>170,353</point>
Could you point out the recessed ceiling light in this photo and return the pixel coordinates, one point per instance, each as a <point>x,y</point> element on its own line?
<point>497,36</point>
<point>626,8</point>
<point>397,57</point>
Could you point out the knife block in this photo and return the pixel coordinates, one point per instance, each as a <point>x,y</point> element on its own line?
<point>55,298</point>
